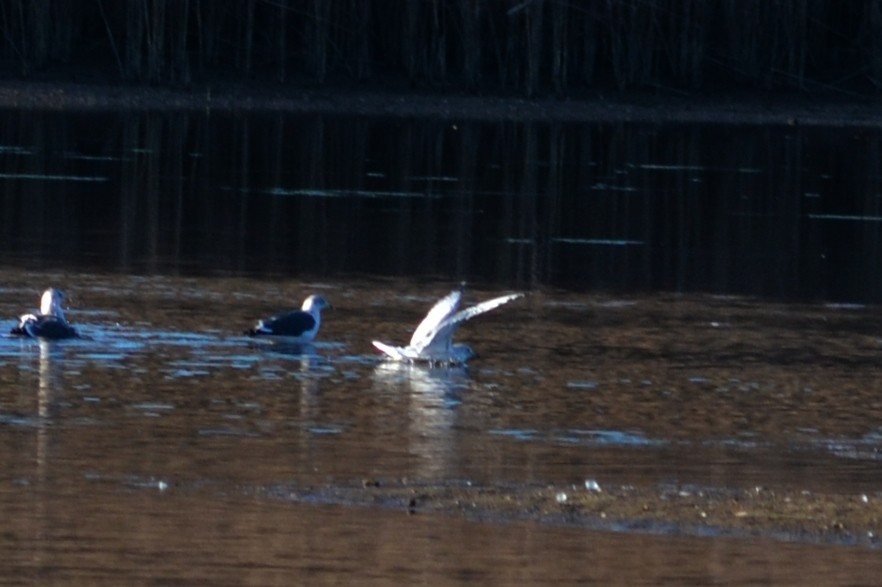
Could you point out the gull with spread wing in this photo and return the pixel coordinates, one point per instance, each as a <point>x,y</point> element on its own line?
<point>432,341</point>
<point>49,322</point>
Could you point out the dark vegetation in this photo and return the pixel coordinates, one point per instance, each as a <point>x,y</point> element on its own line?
<point>519,47</point>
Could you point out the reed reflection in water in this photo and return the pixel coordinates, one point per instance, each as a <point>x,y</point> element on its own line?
<point>783,212</point>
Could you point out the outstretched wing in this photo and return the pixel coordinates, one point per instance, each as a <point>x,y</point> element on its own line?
<point>439,340</point>
<point>393,352</point>
<point>441,311</point>
<point>470,313</point>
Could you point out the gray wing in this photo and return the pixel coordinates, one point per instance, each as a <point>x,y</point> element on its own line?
<point>443,335</point>
<point>292,323</point>
<point>441,311</point>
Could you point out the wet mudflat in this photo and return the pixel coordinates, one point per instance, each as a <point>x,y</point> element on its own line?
<point>198,537</point>
<point>659,439</point>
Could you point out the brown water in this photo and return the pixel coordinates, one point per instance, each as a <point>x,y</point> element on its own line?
<point>165,447</point>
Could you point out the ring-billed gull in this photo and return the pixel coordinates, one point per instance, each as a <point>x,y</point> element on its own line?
<point>49,322</point>
<point>432,341</point>
<point>299,326</point>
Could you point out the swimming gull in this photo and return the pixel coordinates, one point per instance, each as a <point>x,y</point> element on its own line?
<point>297,326</point>
<point>432,341</point>
<point>49,322</point>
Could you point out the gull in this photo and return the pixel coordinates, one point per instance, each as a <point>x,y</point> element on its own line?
<point>49,322</point>
<point>297,326</point>
<point>432,341</point>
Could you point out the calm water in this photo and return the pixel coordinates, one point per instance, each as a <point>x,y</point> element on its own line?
<point>775,212</point>
<point>161,447</point>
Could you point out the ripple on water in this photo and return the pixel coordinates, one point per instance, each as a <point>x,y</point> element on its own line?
<point>518,434</point>
<point>608,437</point>
<point>153,407</point>
<point>17,420</point>
<point>228,432</point>
<point>582,437</point>
<point>867,447</point>
<point>103,357</point>
<point>186,373</point>
<point>587,384</point>
<point>324,430</point>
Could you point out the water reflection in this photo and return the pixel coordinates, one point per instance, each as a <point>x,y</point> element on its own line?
<point>432,396</point>
<point>305,350</point>
<point>786,212</point>
<point>51,356</point>
<point>41,418</point>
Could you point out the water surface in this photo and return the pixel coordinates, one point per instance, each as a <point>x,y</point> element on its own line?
<point>780,212</point>
<point>702,316</point>
<point>168,445</point>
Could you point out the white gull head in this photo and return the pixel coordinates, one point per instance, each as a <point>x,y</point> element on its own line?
<point>50,303</point>
<point>432,341</point>
<point>315,304</point>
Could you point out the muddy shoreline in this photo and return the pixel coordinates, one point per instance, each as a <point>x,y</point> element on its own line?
<point>752,109</point>
<point>760,512</point>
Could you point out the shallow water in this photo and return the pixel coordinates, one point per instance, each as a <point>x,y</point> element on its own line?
<point>166,445</point>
